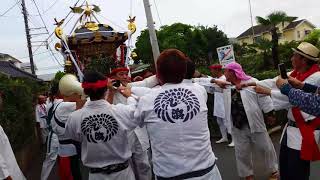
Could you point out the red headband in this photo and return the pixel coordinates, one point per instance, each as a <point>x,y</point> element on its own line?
<point>215,67</point>
<point>116,70</point>
<point>96,85</point>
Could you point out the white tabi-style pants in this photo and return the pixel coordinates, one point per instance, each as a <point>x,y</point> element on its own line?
<point>51,155</point>
<point>222,127</point>
<point>126,174</point>
<point>214,174</point>
<point>140,160</point>
<point>244,140</point>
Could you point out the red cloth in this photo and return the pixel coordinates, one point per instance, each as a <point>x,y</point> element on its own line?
<point>119,69</point>
<point>65,172</point>
<point>309,146</point>
<point>215,66</point>
<point>96,85</point>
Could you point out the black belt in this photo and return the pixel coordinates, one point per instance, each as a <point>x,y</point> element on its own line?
<point>188,175</point>
<point>75,143</point>
<point>67,141</point>
<point>294,124</point>
<point>111,168</point>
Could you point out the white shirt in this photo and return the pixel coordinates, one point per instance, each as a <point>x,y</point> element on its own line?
<point>254,105</point>
<point>8,163</point>
<point>41,115</point>
<point>280,101</point>
<point>102,130</point>
<point>62,113</point>
<point>176,120</point>
<point>139,89</point>
<point>218,109</point>
<point>206,83</point>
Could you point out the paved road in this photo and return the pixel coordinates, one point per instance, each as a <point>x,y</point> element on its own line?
<point>228,169</point>
<point>226,163</point>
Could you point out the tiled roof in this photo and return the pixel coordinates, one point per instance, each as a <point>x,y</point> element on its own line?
<point>259,29</point>
<point>9,69</point>
<point>293,24</point>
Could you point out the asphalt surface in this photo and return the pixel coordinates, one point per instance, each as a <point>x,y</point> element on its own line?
<point>226,164</point>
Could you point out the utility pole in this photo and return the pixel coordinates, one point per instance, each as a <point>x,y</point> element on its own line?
<point>251,20</point>
<point>152,31</point>
<point>25,16</point>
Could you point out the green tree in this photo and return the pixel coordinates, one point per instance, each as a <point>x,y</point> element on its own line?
<point>314,38</point>
<point>273,20</point>
<point>264,46</point>
<point>198,42</point>
<point>215,38</point>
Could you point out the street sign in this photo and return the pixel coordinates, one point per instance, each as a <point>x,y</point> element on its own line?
<point>226,55</point>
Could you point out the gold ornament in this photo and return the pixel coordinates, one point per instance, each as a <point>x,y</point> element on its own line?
<point>132,26</point>
<point>58,30</point>
<point>57,46</point>
<point>92,26</point>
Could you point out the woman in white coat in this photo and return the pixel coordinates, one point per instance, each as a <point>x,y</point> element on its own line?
<point>246,109</point>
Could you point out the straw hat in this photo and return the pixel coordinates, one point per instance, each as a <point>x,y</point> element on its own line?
<point>308,50</point>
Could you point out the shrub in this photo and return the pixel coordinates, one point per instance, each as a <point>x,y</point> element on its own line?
<point>17,117</point>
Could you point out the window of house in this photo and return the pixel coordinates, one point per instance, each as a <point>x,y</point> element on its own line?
<point>306,32</point>
<point>257,38</point>
<point>280,35</point>
<point>298,34</point>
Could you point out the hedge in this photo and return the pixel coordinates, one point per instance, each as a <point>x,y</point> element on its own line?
<point>17,117</point>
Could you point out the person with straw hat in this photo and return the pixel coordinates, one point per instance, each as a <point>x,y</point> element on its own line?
<point>299,141</point>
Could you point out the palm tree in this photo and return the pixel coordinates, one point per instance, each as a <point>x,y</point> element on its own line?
<point>263,46</point>
<point>273,20</point>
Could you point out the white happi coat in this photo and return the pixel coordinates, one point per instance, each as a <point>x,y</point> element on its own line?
<point>8,163</point>
<point>254,106</point>
<point>222,102</point>
<point>219,110</point>
<point>280,101</point>
<point>176,119</point>
<point>62,114</point>
<point>149,82</point>
<point>102,129</point>
<point>41,115</point>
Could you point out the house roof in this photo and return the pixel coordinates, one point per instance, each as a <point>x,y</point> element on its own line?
<point>297,23</point>
<point>47,77</point>
<point>259,29</point>
<point>5,56</point>
<point>9,69</point>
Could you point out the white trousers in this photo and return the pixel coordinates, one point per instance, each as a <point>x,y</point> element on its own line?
<point>140,160</point>
<point>244,140</point>
<point>44,135</point>
<point>214,174</point>
<point>51,155</point>
<point>222,127</point>
<point>126,174</point>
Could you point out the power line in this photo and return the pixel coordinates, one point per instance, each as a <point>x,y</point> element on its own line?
<point>9,9</point>
<point>40,16</point>
<point>33,55</point>
<point>50,35</point>
<point>156,6</point>
<point>51,6</point>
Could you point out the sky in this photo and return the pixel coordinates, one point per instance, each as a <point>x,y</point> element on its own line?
<point>231,16</point>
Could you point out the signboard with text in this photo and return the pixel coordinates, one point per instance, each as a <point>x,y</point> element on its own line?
<point>226,55</point>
